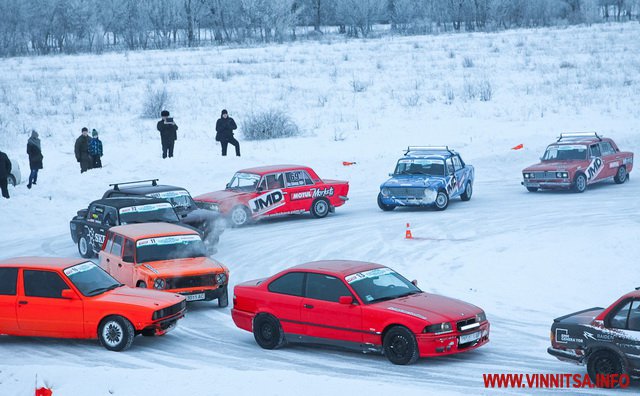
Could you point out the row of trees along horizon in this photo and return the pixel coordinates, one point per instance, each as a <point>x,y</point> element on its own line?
<point>37,27</point>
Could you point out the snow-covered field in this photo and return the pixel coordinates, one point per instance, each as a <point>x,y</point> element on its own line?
<point>525,258</point>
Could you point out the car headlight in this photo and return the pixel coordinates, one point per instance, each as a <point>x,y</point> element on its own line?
<point>221,279</point>
<point>562,175</point>
<point>481,317</point>
<point>208,206</point>
<point>159,284</point>
<point>527,175</point>
<point>439,328</point>
<point>385,192</point>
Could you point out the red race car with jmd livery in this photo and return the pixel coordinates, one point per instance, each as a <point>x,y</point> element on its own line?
<point>276,190</point>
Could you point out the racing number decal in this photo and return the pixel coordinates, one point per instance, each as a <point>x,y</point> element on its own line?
<point>266,202</point>
<point>594,169</point>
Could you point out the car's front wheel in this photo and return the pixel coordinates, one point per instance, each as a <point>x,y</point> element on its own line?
<point>84,246</point>
<point>468,191</point>
<point>223,300</point>
<point>116,333</point>
<point>267,331</point>
<point>442,200</point>
<point>604,363</point>
<point>400,346</point>
<point>320,208</point>
<point>621,175</point>
<point>580,183</point>
<point>383,206</point>
<point>532,189</point>
<point>239,216</point>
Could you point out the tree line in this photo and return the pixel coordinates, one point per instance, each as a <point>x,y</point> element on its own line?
<point>72,26</point>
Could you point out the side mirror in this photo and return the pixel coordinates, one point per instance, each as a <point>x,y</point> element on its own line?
<point>414,282</point>
<point>346,300</point>
<point>259,189</point>
<point>227,185</point>
<point>128,259</point>
<point>69,294</point>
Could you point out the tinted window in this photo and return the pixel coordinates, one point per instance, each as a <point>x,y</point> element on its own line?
<point>8,280</point>
<point>449,166</point>
<point>595,151</point>
<point>606,148</point>
<point>90,279</point>
<point>298,178</point>
<point>457,163</point>
<point>116,249</point>
<point>275,181</point>
<point>290,283</point>
<point>325,287</point>
<point>619,319</point>
<point>43,284</point>
<point>634,316</point>
<point>109,242</point>
<point>110,217</point>
<point>129,248</point>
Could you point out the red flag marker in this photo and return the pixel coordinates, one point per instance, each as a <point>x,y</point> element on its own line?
<point>345,163</point>
<point>44,392</point>
<point>518,147</point>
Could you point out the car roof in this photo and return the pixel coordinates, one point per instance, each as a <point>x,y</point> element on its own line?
<point>123,202</point>
<point>146,189</point>
<point>337,267</point>
<point>41,262</point>
<point>262,170</point>
<point>151,230</point>
<point>581,140</point>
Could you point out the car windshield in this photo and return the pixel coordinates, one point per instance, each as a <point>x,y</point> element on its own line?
<point>419,166</point>
<point>90,279</point>
<point>162,212</point>
<point>180,199</point>
<point>380,284</point>
<point>565,152</point>
<point>244,181</point>
<point>170,248</point>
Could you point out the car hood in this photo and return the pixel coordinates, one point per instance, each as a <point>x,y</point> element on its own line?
<point>553,166</point>
<point>181,267</point>
<point>219,196</point>
<point>431,307</point>
<point>138,296</point>
<point>414,181</point>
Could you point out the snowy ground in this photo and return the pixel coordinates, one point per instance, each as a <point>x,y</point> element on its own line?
<point>525,258</point>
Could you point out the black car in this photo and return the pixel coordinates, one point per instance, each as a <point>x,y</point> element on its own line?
<point>89,227</point>
<point>607,340</point>
<point>209,222</point>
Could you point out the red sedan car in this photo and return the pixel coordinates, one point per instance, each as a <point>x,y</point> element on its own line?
<point>275,190</point>
<point>74,298</point>
<point>361,306</point>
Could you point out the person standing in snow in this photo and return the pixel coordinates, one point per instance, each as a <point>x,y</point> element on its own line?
<point>95,150</point>
<point>224,132</point>
<point>5,170</point>
<point>35,157</point>
<point>82,150</point>
<point>168,133</point>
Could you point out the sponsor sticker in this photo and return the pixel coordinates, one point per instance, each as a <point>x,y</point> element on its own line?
<point>169,194</point>
<point>146,208</point>
<point>594,169</point>
<point>168,240</point>
<point>313,193</point>
<point>614,164</point>
<point>266,202</point>
<point>76,269</point>
<point>563,337</point>
<point>367,274</point>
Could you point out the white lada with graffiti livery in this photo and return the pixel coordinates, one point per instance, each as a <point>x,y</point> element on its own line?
<point>427,176</point>
<point>276,190</point>
<point>577,160</point>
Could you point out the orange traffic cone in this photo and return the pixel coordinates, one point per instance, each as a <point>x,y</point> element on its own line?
<point>345,163</point>
<point>518,147</point>
<point>407,234</point>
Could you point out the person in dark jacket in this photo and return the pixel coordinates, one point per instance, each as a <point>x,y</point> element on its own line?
<point>224,132</point>
<point>168,133</point>
<point>5,170</point>
<point>82,150</point>
<point>95,150</point>
<point>35,157</point>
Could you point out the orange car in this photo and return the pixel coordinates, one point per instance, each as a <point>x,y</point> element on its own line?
<point>74,298</point>
<point>166,257</point>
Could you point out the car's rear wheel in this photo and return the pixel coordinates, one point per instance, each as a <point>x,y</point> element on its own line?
<point>400,346</point>
<point>532,189</point>
<point>320,208</point>
<point>442,200</point>
<point>141,284</point>
<point>267,331</point>
<point>383,206</point>
<point>223,300</point>
<point>621,175</point>
<point>116,333</point>
<point>84,247</point>
<point>604,363</point>
<point>580,183</point>
<point>468,191</point>
<point>239,216</point>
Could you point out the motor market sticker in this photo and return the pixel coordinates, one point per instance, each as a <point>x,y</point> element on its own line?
<point>313,193</point>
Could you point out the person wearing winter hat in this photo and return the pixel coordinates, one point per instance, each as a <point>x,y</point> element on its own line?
<point>82,150</point>
<point>5,171</point>
<point>35,157</point>
<point>168,133</point>
<point>224,132</point>
<point>95,150</point>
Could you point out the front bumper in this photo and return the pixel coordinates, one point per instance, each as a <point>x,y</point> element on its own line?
<point>548,184</point>
<point>428,199</point>
<point>210,293</point>
<point>163,326</point>
<point>448,344</point>
<point>566,355</point>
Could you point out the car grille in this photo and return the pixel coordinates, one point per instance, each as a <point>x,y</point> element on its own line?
<point>191,281</point>
<point>544,175</point>
<point>464,322</point>
<point>402,192</point>
<point>169,311</point>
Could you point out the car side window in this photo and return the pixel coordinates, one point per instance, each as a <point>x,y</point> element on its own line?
<point>107,248</point>
<point>298,178</point>
<point>325,287</point>
<point>619,319</point>
<point>606,148</point>
<point>456,163</point>
<point>450,169</point>
<point>595,151</point>
<point>110,217</point>
<point>116,248</point>
<point>8,281</point>
<point>43,284</point>
<point>129,248</point>
<point>263,184</point>
<point>275,181</point>
<point>634,316</point>
<point>96,213</point>
<point>290,284</point>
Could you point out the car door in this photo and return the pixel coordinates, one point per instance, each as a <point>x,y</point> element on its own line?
<point>300,191</point>
<point>43,311</point>
<point>626,321</point>
<point>611,160</point>
<point>596,164</point>
<point>451,180</point>
<point>462,175</point>
<point>94,228</point>
<point>271,200</point>
<point>324,316</point>
<point>285,301</point>
<point>8,300</point>
<point>118,268</point>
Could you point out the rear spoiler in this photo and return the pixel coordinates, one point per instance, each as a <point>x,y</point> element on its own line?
<point>561,318</point>
<point>116,186</point>
<point>579,134</point>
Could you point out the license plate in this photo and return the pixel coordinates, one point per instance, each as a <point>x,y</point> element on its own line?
<point>195,297</point>
<point>470,337</point>
<point>533,184</point>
